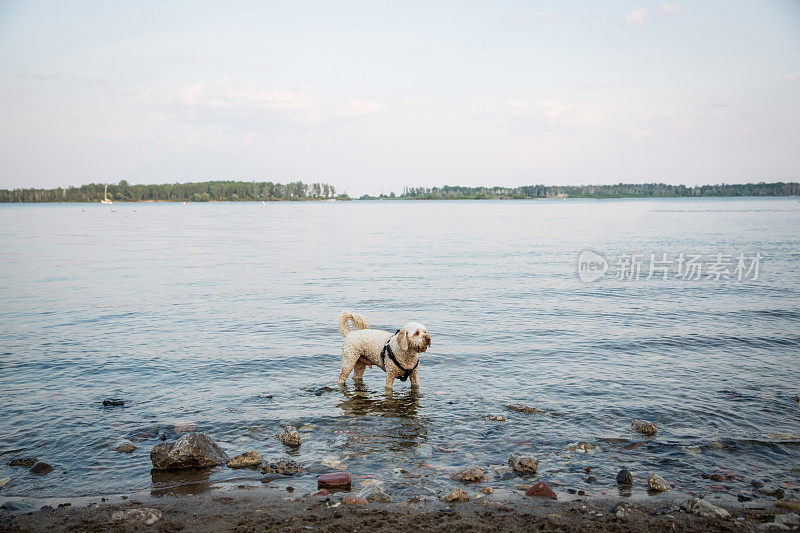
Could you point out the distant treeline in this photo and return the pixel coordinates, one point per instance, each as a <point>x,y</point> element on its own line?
<point>620,190</point>
<point>229,191</point>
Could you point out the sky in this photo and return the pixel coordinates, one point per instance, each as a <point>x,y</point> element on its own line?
<point>374,96</point>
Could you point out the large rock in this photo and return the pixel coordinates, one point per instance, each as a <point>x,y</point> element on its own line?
<point>4,481</point>
<point>193,450</point>
<point>523,465</point>
<point>624,477</point>
<point>644,427</point>
<point>656,483</point>
<point>472,474</point>
<point>251,459</point>
<point>541,490</point>
<point>706,509</point>
<point>41,468</point>
<point>289,436</point>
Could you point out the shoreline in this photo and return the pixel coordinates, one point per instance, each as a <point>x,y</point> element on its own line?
<point>265,508</point>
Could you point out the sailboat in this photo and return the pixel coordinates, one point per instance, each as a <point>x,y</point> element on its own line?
<point>105,200</point>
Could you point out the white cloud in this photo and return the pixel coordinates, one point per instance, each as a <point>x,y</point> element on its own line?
<point>358,108</point>
<point>669,9</point>
<point>573,114</point>
<point>794,76</point>
<point>635,18</point>
<point>227,95</point>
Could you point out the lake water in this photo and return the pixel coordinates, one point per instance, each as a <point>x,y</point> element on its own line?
<point>221,318</point>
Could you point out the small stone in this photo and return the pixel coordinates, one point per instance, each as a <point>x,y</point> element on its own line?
<point>266,478</point>
<point>797,399</point>
<point>126,447</point>
<point>486,490</point>
<point>4,481</point>
<point>644,427</point>
<point>336,480</point>
<point>46,508</point>
<point>289,436</point>
<point>289,489</point>
<point>624,477</point>
<point>757,483</point>
<point>41,469</point>
<point>581,492</point>
<point>322,390</point>
<point>657,483</point>
<point>581,447</point>
<point>141,515</point>
<point>10,505</point>
<point>113,402</point>
<point>495,418</point>
<point>520,408</point>
<point>322,492</point>
<point>718,477</point>
<point>26,462</point>
<point>471,474</point>
<point>523,464</point>
<point>706,509</point>
<point>306,427</point>
<point>351,499</point>
<point>455,495</point>
<point>251,459</point>
<point>378,496</point>
<point>67,504</point>
<point>284,467</point>
<point>793,505</point>
<point>541,490</point>
<point>193,450</point>
<point>591,479</point>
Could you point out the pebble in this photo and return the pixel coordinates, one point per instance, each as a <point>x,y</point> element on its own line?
<point>125,447</point>
<point>350,499</point>
<point>455,495</point>
<point>644,427</point>
<point>624,477</point>
<point>336,480</point>
<point>27,462</point>
<point>289,436</point>
<point>657,483</point>
<point>523,464</point>
<point>41,469</point>
<point>797,399</point>
<point>306,427</point>
<point>541,490</point>
<point>251,459</point>
<point>471,474</point>
<point>284,467</point>
<point>322,492</point>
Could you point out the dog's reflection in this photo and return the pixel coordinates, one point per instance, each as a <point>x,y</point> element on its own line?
<point>360,400</point>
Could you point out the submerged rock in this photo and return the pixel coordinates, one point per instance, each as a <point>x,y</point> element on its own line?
<point>125,447</point>
<point>336,480</point>
<point>471,474</point>
<point>455,495</point>
<point>193,450</point>
<point>541,490</point>
<point>113,402</point>
<point>251,459</point>
<point>284,467</point>
<point>289,436</point>
<point>523,465</point>
<point>657,483</point>
<point>706,509</point>
<point>486,490</point>
<point>26,462</point>
<point>624,477</point>
<point>41,469</point>
<point>644,427</point>
<point>497,418</point>
<point>582,447</point>
<point>4,481</point>
<point>520,408</point>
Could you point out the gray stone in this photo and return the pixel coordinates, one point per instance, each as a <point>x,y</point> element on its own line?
<point>378,496</point>
<point>472,474</point>
<point>289,436</point>
<point>624,477</point>
<point>523,465</point>
<point>193,450</point>
<point>644,427</point>
<point>455,495</point>
<point>4,481</point>
<point>251,459</point>
<point>657,483</point>
<point>706,509</point>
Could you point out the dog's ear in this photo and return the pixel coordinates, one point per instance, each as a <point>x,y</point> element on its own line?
<point>402,339</point>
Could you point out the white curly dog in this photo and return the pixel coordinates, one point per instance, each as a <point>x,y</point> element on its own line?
<point>397,353</point>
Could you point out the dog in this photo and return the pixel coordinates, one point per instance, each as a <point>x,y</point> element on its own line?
<point>397,353</point>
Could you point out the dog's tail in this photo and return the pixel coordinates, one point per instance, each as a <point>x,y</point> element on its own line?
<point>348,316</point>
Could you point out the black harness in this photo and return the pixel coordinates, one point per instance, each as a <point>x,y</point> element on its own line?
<point>387,350</point>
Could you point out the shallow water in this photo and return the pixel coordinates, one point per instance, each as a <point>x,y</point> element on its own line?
<point>222,318</point>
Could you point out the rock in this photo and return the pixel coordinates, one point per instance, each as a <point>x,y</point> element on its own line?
<point>471,474</point>
<point>523,465</point>
<point>322,492</point>
<point>251,459</point>
<point>757,483</point>
<point>793,505</point>
<point>141,515</point>
<point>10,505</point>
<point>351,499</point>
<point>336,480</point>
<point>455,495</point>
<point>718,477</point>
<point>306,428</point>
<point>657,483</point>
<point>378,496</point>
<point>193,450</point>
<point>495,418</point>
<point>581,447</point>
<point>113,402</point>
<point>797,399</point>
<point>41,469</point>
<point>27,462</point>
<point>289,436</point>
<point>624,477</point>
<point>541,490</point>
<point>644,427</point>
<point>622,510</point>
<point>322,390</point>
<point>486,490</point>
<point>284,467</point>
<point>706,509</point>
<point>590,479</point>
<point>125,447</point>
<point>518,407</point>
<point>4,481</point>
<point>266,478</point>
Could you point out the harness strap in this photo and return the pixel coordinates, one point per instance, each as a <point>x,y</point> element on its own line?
<point>388,350</point>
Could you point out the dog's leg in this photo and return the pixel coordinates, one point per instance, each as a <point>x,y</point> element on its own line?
<point>359,370</point>
<point>415,378</point>
<point>389,381</point>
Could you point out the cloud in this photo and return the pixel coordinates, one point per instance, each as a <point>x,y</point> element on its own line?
<point>635,18</point>
<point>225,95</point>
<point>669,9</point>
<point>794,76</point>
<point>358,108</point>
<point>572,114</point>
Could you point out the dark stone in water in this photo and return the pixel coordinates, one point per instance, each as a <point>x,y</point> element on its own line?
<point>45,507</point>
<point>667,509</point>
<point>743,497</point>
<point>572,491</point>
<point>322,390</point>
<point>113,402</point>
<point>10,505</point>
<point>591,479</point>
<point>64,504</point>
<point>27,462</point>
<point>41,468</point>
<point>193,450</point>
<point>757,483</point>
<point>163,436</point>
<point>624,477</point>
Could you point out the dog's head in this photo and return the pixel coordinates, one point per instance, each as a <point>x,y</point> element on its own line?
<point>413,337</point>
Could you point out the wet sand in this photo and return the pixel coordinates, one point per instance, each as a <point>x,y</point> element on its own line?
<point>245,509</point>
